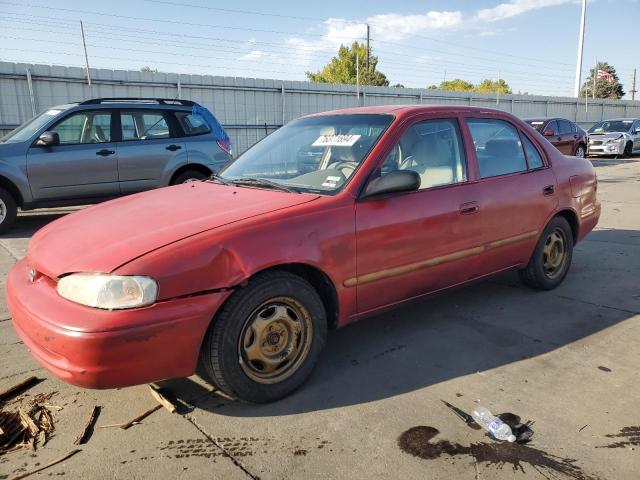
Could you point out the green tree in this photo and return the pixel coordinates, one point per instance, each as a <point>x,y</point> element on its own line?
<point>148,69</point>
<point>493,86</point>
<point>455,85</point>
<point>342,68</point>
<point>604,88</point>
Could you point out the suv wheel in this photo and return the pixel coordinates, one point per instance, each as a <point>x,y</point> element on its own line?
<point>264,342</point>
<point>189,176</point>
<point>580,151</point>
<point>552,257</point>
<point>8,210</point>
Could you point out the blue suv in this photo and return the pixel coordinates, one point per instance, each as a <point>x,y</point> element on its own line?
<point>86,152</point>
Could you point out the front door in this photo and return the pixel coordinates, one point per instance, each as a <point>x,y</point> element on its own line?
<point>84,165</point>
<point>518,192</point>
<point>148,150</point>
<point>568,137</point>
<point>409,244</point>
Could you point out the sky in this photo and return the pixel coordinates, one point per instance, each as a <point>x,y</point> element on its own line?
<point>531,44</point>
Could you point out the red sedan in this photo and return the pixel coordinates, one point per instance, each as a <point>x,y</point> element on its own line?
<point>329,219</point>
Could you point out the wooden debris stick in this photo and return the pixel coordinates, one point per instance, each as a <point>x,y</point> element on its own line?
<point>18,388</point>
<point>88,428</point>
<point>50,464</point>
<point>162,400</point>
<point>140,417</point>
<point>28,422</point>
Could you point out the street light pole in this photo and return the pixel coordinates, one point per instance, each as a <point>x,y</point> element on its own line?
<point>576,88</point>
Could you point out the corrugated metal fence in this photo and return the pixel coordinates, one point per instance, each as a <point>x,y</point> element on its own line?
<point>250,108</point>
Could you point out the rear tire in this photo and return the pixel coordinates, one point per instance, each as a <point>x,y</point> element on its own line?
<point>189,176</point>
<point>264,342</point>
<point>551,259</point>
<point>8,210</point>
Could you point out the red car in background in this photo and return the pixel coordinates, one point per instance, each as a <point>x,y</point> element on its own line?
<point>563,134</point>
<point>245,273</point>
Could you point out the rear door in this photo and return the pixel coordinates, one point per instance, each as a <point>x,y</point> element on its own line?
<point>518,191</point>
<point>412,243</point>
<point>83,166</point>
<point>150,148</point>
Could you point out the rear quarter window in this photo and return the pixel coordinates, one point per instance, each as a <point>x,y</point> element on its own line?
<point>192,123</point>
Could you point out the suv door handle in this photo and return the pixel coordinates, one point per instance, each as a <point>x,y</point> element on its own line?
<point>105,153</point>
<point>548,190</point>
<point>469,208</point>
<point>173,148</point>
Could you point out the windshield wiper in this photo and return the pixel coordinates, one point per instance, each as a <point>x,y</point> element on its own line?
<point>214,177</point>
<point>262,182</point>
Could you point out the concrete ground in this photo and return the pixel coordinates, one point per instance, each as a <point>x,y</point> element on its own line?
<point>566,360</point>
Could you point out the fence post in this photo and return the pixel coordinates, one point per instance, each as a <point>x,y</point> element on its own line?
<point>31,96</point>
<point>179,85</point>
<point>421,98</point>
<point>283,103</point>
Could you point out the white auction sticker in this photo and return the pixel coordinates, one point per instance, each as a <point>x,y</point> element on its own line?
<point>336,141</point>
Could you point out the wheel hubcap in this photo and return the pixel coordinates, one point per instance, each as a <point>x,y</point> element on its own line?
<point>3,211</point>
<point>554,253</point>
<point>275,340</point>
<point>580,152</point>
<point>189,180</point>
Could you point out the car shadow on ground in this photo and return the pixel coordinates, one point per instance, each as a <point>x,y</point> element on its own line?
<point>28,223</point>
<point>613,161</point>
<point>470,329</point>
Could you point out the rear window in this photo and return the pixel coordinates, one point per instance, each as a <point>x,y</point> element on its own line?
<point>193,123</point>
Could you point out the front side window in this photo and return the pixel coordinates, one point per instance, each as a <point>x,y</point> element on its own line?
<point>498,147</point>
<point>30,127</point>
<point>434,150</point>
<point>141,125</point>
<point>315,154</point>
<point>85,127</point>
<point>553,126</point>
<point>566,128</point>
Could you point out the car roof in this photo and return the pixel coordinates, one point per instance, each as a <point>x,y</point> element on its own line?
<point>627,119</point>
<point>403,110</point>
<point>545,119</point>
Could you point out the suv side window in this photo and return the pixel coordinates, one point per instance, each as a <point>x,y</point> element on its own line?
<point>84,127</point>
<point>498,147</point>
<point>192,123</point>
<point>566,128</point>
<point>553,126</point>
<point>433,149</point>
<point>143,125</point>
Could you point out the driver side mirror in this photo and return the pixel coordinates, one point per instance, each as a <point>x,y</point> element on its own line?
<point>548,133</point>
<point>396,181</point>
<point>48,139</point>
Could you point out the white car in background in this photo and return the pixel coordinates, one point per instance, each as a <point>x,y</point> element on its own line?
<point>618,136</point>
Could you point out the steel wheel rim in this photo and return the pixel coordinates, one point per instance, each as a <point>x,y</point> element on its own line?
<point>189,180</point>
<point>580,152</point>
<point>3,210</point>
<point>554,253</point>
<point>275,340</point>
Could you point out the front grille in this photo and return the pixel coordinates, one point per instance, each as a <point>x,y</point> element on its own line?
<point>596,142</point>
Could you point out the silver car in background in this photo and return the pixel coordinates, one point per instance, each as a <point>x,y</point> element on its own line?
<point>103,148</point>
<point>618,136</point>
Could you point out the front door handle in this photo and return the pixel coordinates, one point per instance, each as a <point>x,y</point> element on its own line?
<point>548,190</point>
<point>105,153</point>
<point>173,148</point>
<point>469,208</point>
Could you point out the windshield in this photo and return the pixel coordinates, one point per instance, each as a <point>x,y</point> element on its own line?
<point>611,126</point>
<point>537,124</point>
<point>28,128</point>
<point>317,154</point>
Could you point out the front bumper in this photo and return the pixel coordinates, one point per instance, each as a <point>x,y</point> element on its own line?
<point>606,149</point>
<point>142,345</point>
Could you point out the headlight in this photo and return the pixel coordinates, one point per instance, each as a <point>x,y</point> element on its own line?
<point>109,292</point>
<point>613,140</point>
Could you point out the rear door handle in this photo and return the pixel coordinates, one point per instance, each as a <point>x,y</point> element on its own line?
<point>469,208</point>
<point>105,153</point>
<point>173,148</point>
<point>548,190</point>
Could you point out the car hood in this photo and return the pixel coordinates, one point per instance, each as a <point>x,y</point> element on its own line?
<point>106,236</point>
<point>608,135</point>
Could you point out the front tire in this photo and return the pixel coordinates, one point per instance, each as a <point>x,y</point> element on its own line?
<point>189,176</point>
<point>628,150</point>
<point>581,151</point>
<point>264,342</point>
<point>551,259</point>
<point>8,210</point>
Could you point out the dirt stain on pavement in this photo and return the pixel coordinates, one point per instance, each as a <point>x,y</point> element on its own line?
<point>418,441</point>
<point>627,437</point>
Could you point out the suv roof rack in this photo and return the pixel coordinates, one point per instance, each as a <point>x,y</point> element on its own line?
<point>161,101</point>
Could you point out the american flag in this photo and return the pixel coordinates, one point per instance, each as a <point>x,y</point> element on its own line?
<point>605,75</point>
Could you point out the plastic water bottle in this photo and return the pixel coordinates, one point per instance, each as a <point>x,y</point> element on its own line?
<point>493,425</point>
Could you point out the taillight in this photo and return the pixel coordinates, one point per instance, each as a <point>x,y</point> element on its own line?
<point>225,145</point>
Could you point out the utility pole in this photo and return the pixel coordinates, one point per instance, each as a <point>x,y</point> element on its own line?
<point>595,79</point>
<point>86,56</point>
<point>576,88</point>
<point>633,90</point>
<point>368,40</point>
<point>358,77</point>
